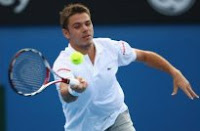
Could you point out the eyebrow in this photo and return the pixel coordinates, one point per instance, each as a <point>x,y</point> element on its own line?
<point>80,23</point>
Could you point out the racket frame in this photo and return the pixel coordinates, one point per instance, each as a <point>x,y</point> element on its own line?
<point>47,78</point>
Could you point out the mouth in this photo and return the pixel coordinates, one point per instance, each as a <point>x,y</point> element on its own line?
<point>86,36</point>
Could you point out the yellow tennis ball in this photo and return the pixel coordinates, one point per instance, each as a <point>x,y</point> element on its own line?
<point>76,58</point>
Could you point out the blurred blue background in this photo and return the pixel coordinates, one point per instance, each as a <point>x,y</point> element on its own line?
<point>174,35</point>
<point>147,91</point>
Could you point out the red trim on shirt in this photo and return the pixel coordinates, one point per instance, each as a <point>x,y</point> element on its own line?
<point>63,69</point>
<point>123,48</point>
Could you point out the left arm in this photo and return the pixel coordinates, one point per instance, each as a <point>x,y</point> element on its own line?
<point>154,60</point>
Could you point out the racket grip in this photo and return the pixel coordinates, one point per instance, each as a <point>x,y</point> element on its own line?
<point>74,82</point>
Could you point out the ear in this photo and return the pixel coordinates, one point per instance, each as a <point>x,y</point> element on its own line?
<point>66,33</point>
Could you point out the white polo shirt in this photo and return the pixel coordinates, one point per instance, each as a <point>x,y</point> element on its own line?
<point>99,105</point>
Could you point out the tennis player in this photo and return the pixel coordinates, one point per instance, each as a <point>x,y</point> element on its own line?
<point>97,104</point>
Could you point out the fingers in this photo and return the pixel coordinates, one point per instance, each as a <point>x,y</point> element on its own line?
<point>175,90</point>
<point>83,85</point>
<point>181,82</point>
<point>187,90</point>
<point>193,93</point>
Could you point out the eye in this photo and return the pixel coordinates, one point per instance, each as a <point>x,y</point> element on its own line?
<point>88,23</point>
<point>77,26</point>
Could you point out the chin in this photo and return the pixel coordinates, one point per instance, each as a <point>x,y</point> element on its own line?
<point>87,44</point>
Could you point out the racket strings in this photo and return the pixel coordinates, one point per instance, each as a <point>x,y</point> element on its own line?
<point>29,72</point>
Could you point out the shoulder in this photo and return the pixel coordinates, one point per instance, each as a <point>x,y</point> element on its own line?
<point>108,41</point>
<point>104,40</point>
<point>62,58</point>
<point>63,54</point>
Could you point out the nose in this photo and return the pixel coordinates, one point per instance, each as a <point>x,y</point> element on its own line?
<point>85,28</point>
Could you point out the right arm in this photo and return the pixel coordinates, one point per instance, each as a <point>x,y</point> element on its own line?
<point>64,90</point>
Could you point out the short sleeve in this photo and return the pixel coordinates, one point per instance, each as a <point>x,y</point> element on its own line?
<point>126,54</point>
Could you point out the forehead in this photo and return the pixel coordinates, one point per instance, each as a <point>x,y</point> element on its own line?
<point>79,18</point>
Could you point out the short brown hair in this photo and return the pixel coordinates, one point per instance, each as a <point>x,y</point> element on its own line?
<point>70,10</point>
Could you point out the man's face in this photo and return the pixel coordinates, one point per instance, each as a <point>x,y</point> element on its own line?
<point>80,30</point>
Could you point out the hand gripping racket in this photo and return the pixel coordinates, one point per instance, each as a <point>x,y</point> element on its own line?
<point>29,73</point>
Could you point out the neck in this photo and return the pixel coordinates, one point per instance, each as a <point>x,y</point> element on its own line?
<point>83,49</point>
<point>90,50</point>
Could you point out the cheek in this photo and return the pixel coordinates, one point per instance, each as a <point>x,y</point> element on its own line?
<point>92,30</point>
<point>76,38</point>
<point>75,35</point>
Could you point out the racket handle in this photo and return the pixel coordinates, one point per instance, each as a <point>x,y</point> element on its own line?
<point>74,82</point>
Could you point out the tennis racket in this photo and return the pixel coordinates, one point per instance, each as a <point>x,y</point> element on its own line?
<point>29,73</point>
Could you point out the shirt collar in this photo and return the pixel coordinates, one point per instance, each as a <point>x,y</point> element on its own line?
<point>98,48</point>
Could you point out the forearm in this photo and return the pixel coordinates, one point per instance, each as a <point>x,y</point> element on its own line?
<point>156,61</point>
<point>66,96</point>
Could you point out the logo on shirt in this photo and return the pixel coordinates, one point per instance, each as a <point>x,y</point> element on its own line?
<point>109,68</point>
